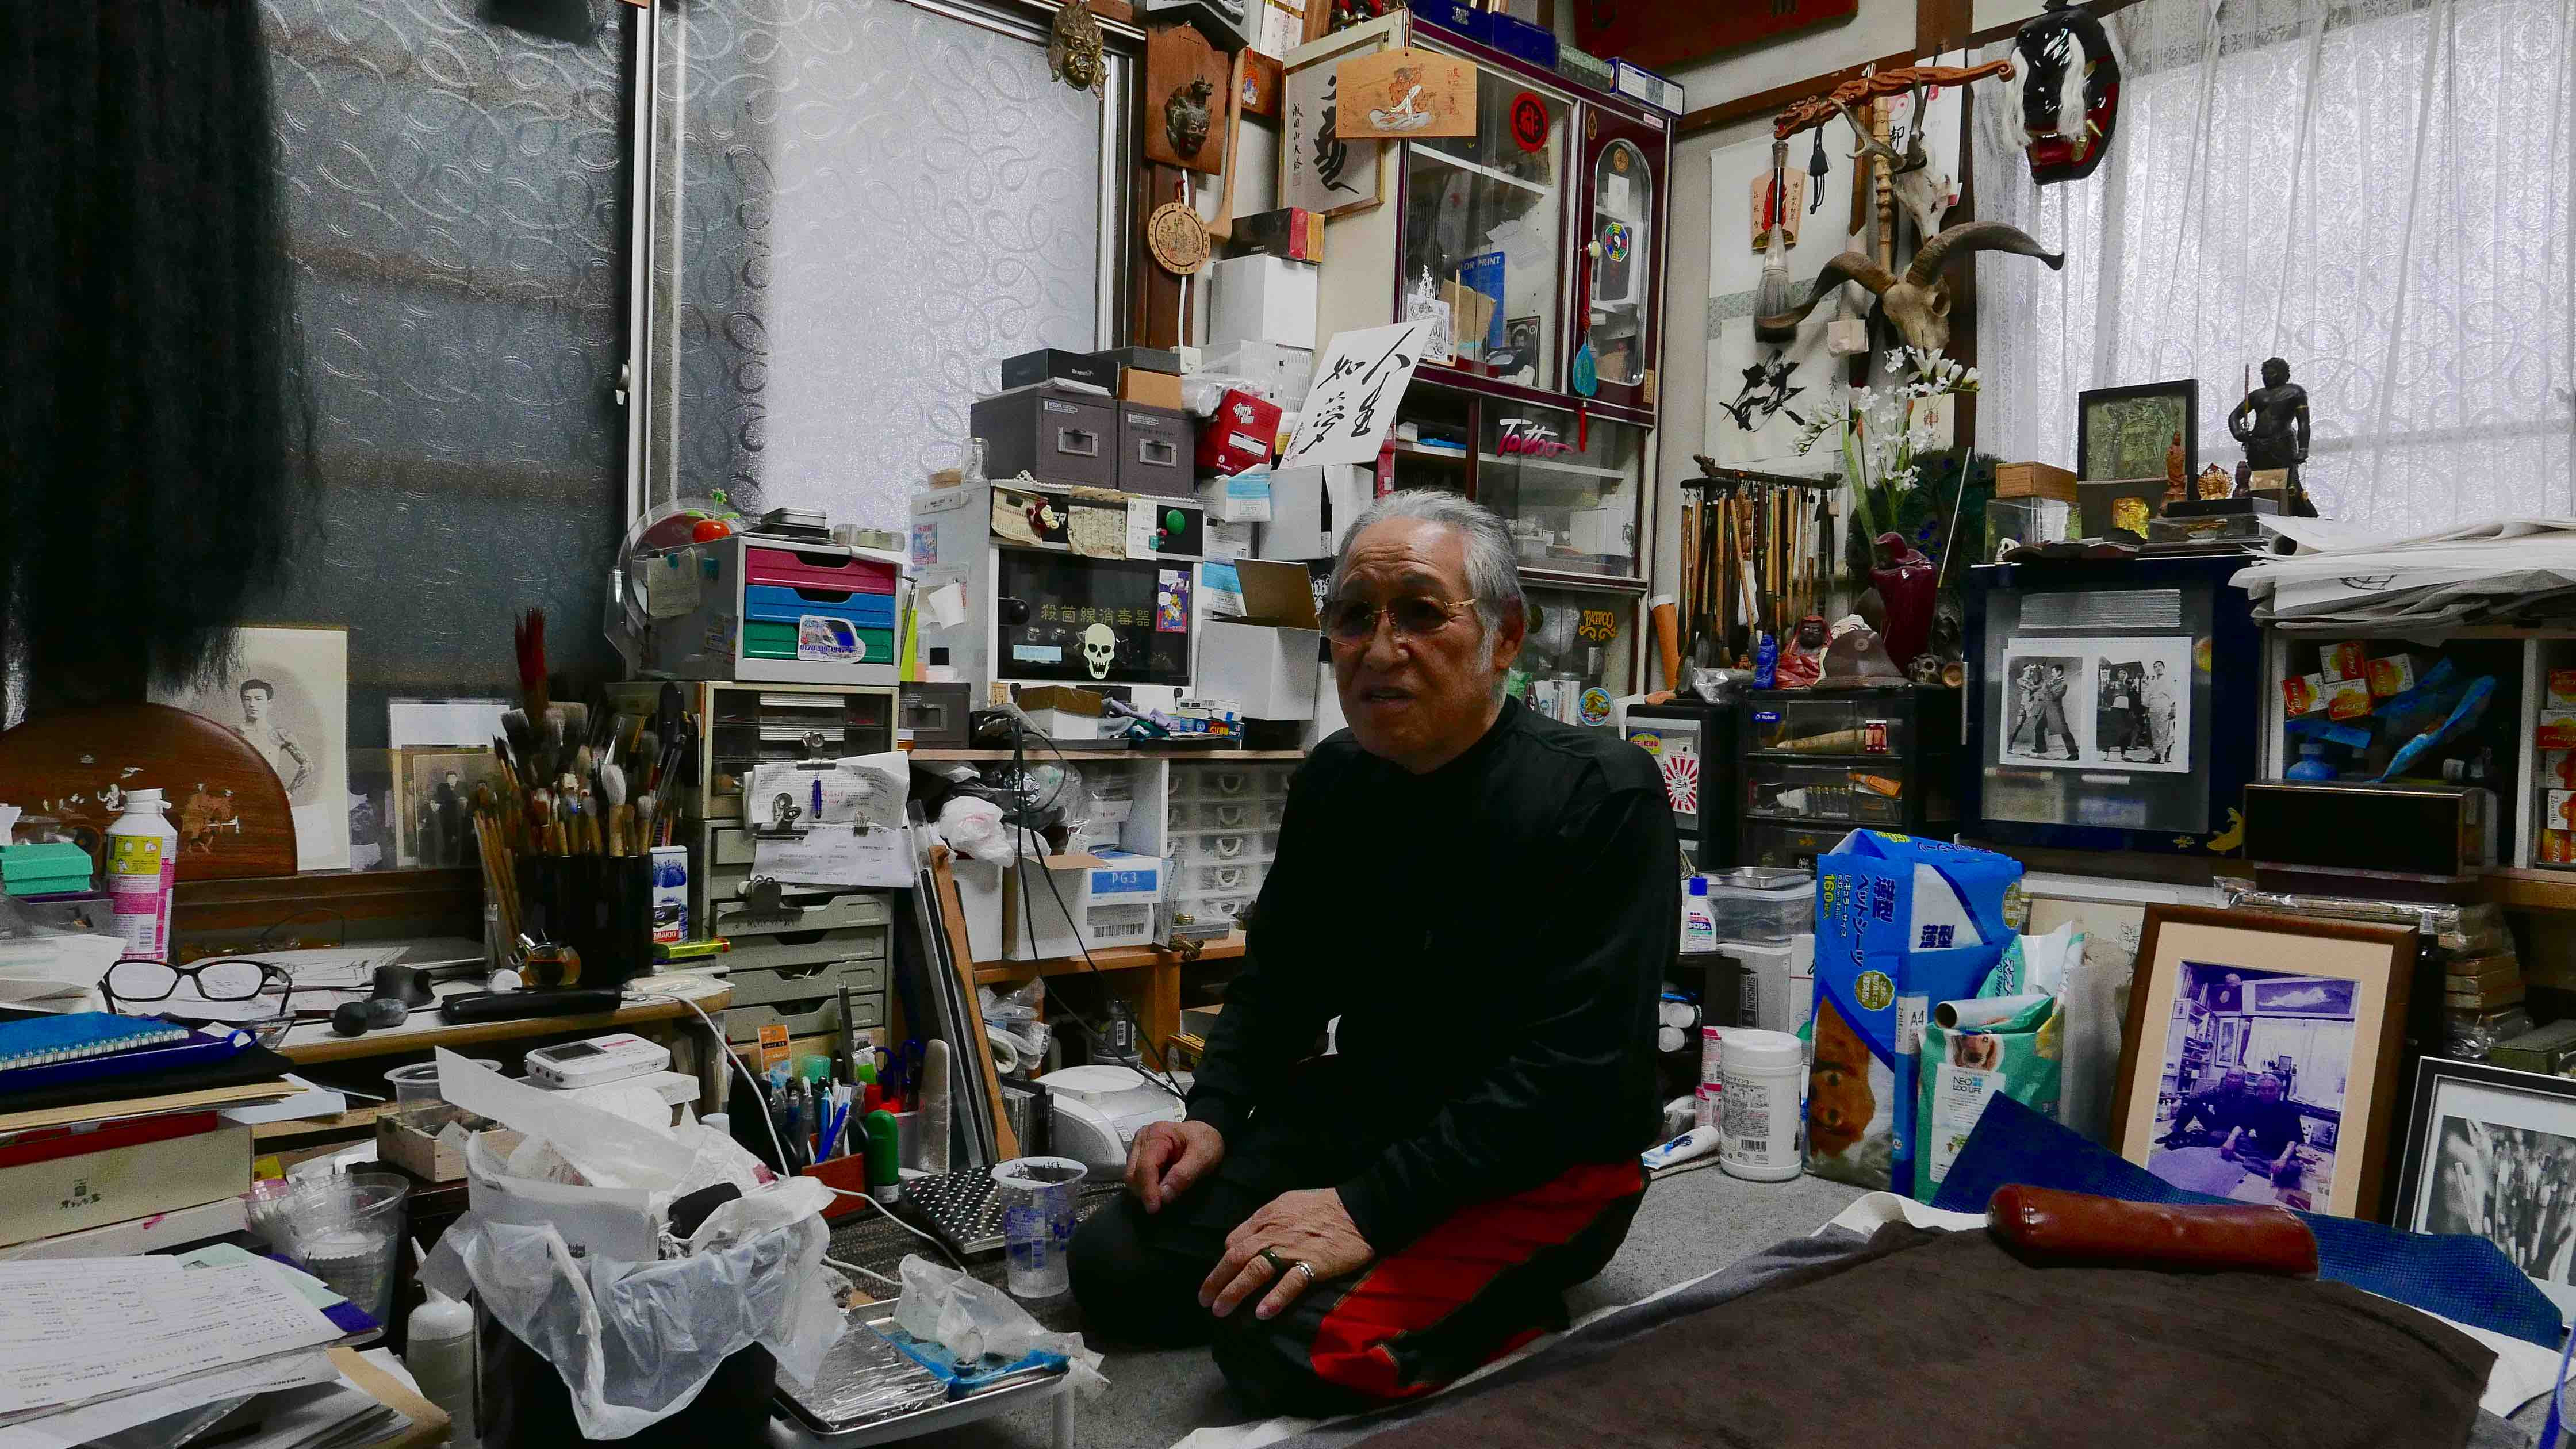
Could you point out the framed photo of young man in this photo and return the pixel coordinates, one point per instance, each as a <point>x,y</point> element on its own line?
<point>2260,1056</point>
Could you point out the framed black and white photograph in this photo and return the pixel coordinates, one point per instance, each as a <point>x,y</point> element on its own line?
<point>2140,693</point>
<point>2047,718</point>
<point>286,691</point>
<point>2260,1058</point>
<point>2127,432</point>
<point>433,804</point>
<point>2491,1153</point>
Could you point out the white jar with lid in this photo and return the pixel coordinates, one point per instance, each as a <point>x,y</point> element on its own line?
<point>1762,1116</point>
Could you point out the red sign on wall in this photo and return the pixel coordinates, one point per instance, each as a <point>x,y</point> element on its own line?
<point>1663,34</point>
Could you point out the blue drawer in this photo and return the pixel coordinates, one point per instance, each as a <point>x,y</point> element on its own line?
<point>781,605</point>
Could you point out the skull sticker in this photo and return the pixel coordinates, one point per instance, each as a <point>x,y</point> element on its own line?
<point>1099,650</point>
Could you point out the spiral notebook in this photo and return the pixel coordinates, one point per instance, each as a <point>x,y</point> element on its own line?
<point>76,1035</point>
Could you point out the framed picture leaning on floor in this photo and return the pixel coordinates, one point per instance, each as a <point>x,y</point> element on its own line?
<point>2259,1060</point>
<point>2491,1152</point>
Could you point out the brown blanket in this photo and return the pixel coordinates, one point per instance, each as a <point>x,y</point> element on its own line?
<point>1947,1341</point>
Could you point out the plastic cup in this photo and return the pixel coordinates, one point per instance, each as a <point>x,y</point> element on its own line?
<point>347,1230</point>
<point>419,1081</point>
<point>1038,1195</point>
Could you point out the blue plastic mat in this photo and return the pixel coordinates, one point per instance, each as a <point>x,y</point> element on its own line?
<point>2464,1279</point>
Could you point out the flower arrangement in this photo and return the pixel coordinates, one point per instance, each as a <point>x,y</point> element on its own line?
<point>1886,432</point>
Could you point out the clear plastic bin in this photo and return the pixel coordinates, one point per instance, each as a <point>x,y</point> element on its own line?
<point>1219,815</point>
<point>1219,847</point>
<point>1217,781</point>
<point>1240,879</point>
<point>1825,792</point>
<point>1208,907</point>
<point>1842,727</point>
<point>1789,846</point>
<point>1762,903</point>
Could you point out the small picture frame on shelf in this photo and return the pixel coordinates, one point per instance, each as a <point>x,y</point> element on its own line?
<point>2491,1152</point>
<point>2129,432</point>
<point>2298,1118</point>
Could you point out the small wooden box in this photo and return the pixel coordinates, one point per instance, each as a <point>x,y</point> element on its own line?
<point>2034,480</point>
<point>408,1139</point>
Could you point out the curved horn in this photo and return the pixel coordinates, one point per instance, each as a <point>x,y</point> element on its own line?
<point>1975,236</point>
<point>1848,267</point>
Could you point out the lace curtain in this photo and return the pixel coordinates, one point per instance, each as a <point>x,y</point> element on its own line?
<point>2376,190</point>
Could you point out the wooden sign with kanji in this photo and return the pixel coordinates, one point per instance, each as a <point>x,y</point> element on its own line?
<point>1662,34</point>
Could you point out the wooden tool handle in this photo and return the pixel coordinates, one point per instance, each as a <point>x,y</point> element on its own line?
<point>2073,1226</point>
<point>1222,229</point>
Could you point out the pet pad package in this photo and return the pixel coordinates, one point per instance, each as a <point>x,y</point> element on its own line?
<point>1901,923</point>
<point>1972,1052</point>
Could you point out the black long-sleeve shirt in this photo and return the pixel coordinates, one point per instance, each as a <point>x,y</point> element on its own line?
<point>1492,936</point>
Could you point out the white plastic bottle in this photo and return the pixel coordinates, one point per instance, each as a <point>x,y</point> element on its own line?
<point>142,868</point>
<point>440,1354</point>
<point>1762,1118</point>
<point>1699,918</point>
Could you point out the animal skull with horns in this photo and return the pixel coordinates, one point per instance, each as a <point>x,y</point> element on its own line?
<point>1922,191</point>
<point>1918,301</point>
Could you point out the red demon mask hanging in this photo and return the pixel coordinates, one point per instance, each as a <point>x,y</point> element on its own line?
<point>2069,79</point>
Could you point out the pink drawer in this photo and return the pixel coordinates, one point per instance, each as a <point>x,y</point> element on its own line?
<point>817,570</point>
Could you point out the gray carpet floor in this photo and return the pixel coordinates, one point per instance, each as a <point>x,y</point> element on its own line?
<point>1690,1224</point>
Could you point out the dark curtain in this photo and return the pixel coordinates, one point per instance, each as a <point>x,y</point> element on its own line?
<point>152,467</point>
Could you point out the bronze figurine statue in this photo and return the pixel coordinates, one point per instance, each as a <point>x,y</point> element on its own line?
<point>2272,423</point>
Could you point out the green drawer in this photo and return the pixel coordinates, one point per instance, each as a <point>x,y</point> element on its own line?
<point>764,639</point>
<point>805,946</point>
<point>802,1017</point>
<point>774,986</point>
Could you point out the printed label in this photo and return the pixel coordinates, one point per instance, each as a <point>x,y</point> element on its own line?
<point>1744,1123</point>
<point>1957,1102</point>
<point>137,876</point>
<point>1874,992</point>
<point>1706,1104</point>
<point>925,545</point>
<point>822,639</point>
<point>1911,1013</point>
<point>1037,653</point>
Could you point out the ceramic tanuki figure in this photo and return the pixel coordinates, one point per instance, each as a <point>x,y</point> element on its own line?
<point>1906,582</point>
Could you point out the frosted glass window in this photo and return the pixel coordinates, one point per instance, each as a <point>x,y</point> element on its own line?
<point>862,207</point>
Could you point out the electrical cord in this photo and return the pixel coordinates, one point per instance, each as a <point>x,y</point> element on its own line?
<point>779,1145</point>
<point>1161,1076</point>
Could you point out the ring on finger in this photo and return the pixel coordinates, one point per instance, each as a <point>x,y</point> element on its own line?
<point>1301,1265</point>
<point>1278,1269</point>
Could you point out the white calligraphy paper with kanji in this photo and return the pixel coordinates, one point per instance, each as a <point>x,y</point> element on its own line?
<point>1359,381</point>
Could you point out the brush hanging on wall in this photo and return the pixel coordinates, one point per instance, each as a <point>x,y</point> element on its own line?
<point>150,434</point>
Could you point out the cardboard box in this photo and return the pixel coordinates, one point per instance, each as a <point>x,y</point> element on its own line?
<point>1152,389</point>
<point>2390,676</point>
<point>1239,434</point>
<point>1471,314</point>
<point>1310,506</point>
<point>1151,359</point>
<point>1767,969</point>
<point>1640,84</point>
<point>408,1139</point>
<point>2562,689</point>
<point>1241,498</point>
<point>1261,299</point>
<point>1062,712</point>
<point>1901,923</point>
<point>62,1181</point>
<point>2034,480</point>
<point>1291,232</point>
<point>1099,900</point>
<point>979,895</point>
<point>2348,660</point>
<point>1228,542</point>
<point>2557,730</point>
<point>2558,847</point>
<point>2304,695</point>
<point>670,894</point>
<point>1533,43</point>
<point>2347,699</point>
<point>1280,372</point>
<point>1269,661</point>
<point>2558,810</point>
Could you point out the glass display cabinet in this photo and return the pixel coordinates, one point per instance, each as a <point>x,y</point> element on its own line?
<point>1537,247</point>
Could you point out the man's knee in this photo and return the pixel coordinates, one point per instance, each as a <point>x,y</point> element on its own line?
<point>1129,1289</point>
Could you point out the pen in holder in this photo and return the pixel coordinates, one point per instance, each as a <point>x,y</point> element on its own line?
<point>600,905</point>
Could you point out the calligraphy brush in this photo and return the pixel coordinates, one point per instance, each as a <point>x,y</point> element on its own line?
<point>529,636</point>
<point>612,788</point>
<point>1771,297</point>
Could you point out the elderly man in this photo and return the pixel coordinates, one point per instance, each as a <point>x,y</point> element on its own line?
<point>1485,899</point>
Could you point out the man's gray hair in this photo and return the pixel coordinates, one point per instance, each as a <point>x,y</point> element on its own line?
<point>1493,564</point>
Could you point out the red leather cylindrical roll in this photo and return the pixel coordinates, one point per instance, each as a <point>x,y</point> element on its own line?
<point>2107,1231</point>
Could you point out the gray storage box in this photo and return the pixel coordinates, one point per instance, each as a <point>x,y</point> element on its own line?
<point>1157,452</point>
<point>1053,434</point>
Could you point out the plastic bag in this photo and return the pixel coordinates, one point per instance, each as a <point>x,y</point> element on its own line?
<point>973,828</point>
<point>1013,1020</point>
<point>971,1319</point>
<point>635,1342</point>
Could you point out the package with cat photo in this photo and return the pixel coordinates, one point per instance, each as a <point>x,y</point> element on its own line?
<point>1901,923</point>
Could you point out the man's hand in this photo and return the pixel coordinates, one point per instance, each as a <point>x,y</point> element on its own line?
<point>1168,1157</point>
<point>1310,1227</point>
